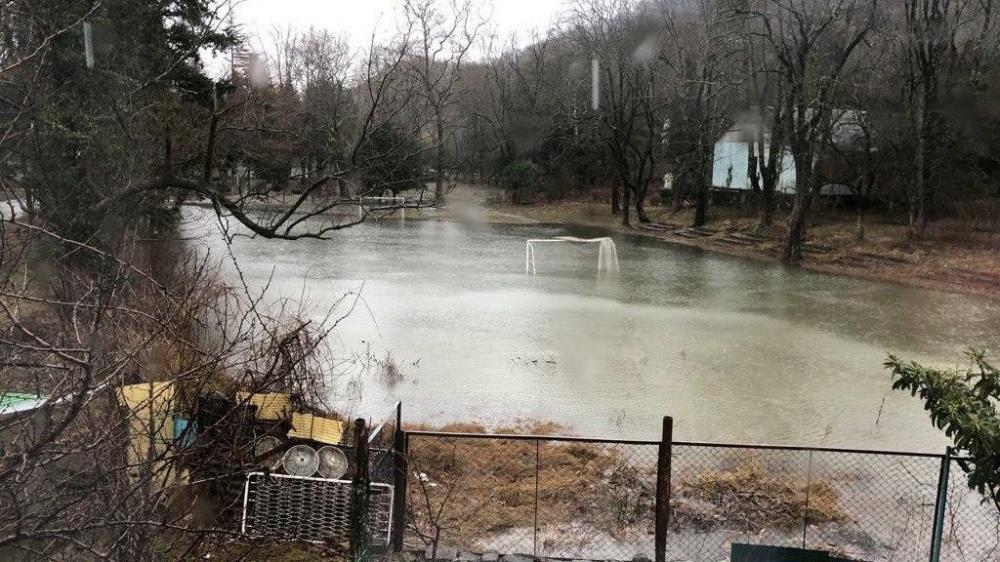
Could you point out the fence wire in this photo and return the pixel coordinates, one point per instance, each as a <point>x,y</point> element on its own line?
<point>542,497</point>
<point>587,499</point>
<point>971,525</point>
<point>856,505</point>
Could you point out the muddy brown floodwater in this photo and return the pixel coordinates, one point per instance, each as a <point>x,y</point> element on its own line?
<point>735,350</point>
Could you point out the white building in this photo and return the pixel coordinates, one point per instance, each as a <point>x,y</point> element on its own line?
<point>729,166</point>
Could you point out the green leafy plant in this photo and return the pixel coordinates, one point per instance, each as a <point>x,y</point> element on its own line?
<point>964,406</point>
<point>524,180</point>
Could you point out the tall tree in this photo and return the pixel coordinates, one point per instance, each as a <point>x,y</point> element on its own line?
<point>702,43</point>
<point>444,31</point>
<point>813,42</point>
<point>621,37</point>
<point>948,43</point>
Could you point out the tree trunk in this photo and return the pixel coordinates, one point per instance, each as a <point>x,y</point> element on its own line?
<point>769,184</point>
<point>767,204</point>
<point>701,206</point>
<point>803,198</point>
<point>640,203</point>
<point>616,204</point>
<point>918,206</point>
<point>796,232</point>
<point>439,160</point>
<point>676,185</point>
<point>626,201</point>
<point>753,173</point>
<point>704,182</point>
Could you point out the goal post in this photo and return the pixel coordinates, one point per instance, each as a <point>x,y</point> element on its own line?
<point>607,253</point>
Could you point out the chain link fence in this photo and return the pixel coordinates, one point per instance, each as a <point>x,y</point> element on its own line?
<point>543,496</point>
<point>971,526</point>
<point>560,497</point>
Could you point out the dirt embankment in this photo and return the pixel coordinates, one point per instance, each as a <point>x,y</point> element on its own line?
<point>954,255</point>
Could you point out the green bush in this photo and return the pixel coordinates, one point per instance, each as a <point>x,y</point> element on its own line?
<point>523,180</point>
<point>964,406</point>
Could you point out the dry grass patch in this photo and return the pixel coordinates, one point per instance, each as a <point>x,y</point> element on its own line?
<point>464,491</point>
<point>469,489</point>
<point>749,495</point>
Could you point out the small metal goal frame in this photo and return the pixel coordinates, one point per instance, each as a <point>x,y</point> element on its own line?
<point>607,253</point>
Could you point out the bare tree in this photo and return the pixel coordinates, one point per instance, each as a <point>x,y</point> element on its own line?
<point>621,38</point>
<point>93,300</point>
<point>764,120</point>
<point>813,43</point>
<point>444,32</point>
<point>702,43</point>
<point>941,38</point>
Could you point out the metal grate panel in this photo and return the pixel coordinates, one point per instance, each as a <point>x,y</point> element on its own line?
<point>312,509</point>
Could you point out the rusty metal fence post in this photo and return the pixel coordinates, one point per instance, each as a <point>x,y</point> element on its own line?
<point>663,468</point>
<point>360,487</point>
<point>534,538</point>
<point>399,474</point>
<point>805,512</point>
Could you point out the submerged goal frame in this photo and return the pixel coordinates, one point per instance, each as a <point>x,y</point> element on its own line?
<point>606,251</point>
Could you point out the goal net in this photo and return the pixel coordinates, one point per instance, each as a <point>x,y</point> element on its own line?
<point>569,253</point>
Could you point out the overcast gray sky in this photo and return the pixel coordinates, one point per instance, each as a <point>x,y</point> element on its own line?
<point>356,19</point>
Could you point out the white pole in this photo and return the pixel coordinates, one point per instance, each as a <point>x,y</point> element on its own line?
<point>88,43</point>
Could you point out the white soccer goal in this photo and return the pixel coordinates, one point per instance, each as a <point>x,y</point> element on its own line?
<point>607,254</point>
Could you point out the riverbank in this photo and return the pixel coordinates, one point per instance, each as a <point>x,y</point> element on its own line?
<point>954,256</point>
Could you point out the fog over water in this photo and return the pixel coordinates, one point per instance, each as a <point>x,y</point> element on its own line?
<point>734,349</point>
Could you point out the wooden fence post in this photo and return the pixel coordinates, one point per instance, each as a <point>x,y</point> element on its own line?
<point>360,490</point>
<point>663,458</point>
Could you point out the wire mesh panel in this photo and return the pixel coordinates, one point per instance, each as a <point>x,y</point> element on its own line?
<point>472,495</point>
<point>573,498</point>
<point>551,497</point>
<point>596,500</point>
<point>721,496</point>
<point>876,506</point>
<point>971,523</point>
<point>313,509</point>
